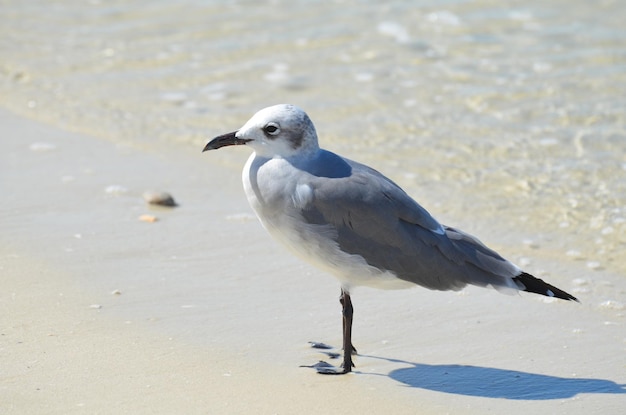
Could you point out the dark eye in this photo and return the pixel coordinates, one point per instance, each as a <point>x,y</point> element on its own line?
<point>271,129</point>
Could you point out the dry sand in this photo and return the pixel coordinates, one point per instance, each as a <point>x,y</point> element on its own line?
<point>199,312</point>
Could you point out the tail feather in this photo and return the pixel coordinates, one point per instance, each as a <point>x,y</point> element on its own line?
<point>534,285</point>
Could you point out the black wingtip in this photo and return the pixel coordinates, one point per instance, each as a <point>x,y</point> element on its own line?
<point>537,286</point>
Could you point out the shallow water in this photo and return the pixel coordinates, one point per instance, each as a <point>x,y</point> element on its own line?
<point>498,118</point>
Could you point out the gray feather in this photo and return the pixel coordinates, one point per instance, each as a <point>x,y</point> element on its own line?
<point>376,219</point>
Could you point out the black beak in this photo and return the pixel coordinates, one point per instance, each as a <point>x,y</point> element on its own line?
<point>224,140</point>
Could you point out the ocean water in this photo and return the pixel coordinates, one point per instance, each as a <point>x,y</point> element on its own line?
<point>502,117</point>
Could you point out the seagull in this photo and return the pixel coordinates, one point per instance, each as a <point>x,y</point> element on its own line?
<point>356,224</point>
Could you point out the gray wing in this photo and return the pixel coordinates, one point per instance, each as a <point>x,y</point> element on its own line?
<point>376,219</point>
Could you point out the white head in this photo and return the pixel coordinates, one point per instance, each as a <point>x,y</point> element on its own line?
<point>279,131</point>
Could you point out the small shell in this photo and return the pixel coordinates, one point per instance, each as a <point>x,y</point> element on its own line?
<point>159,198</point>
<point>115,189</point>
<point>41,146</point>
<point>148,218</point>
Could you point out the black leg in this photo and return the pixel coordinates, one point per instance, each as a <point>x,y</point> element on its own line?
<point>348,348</point>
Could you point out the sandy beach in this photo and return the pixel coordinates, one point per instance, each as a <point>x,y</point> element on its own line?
<point>504,119</point>
<point>199,312</point>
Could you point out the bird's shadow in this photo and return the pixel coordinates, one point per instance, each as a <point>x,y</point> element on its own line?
<point>491,382</point>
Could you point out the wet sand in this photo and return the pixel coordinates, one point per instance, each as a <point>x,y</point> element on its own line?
<point>200,312</point>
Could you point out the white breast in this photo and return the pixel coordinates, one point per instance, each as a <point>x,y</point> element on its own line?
<point>278,192</point>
